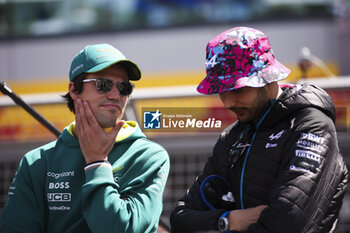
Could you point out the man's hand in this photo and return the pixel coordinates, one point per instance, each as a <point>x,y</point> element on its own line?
<point>94,142</point>
<point>240,219</point>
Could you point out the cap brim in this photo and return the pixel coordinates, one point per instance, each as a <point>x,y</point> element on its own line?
<point>133,70</point>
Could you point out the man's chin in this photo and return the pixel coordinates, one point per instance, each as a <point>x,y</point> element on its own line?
<point>107,125</point>
<point>244,119</point>
<point>107,121</point>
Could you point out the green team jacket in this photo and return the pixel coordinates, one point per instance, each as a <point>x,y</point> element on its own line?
<point>51,192</point>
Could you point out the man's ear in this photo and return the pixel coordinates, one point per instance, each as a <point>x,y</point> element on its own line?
<point>73,94</point>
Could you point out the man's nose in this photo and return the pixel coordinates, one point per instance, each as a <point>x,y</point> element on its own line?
<point>114,93</point>
<point>231,104</point>
<point>229,100</point>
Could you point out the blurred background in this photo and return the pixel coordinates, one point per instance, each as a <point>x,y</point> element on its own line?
<point>167,39</point>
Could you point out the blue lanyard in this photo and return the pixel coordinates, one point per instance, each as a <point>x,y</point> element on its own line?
<point>247,153</point>
<point>207,179</point>
<point>204,182</point>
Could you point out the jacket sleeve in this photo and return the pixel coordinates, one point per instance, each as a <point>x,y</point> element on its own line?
<point>307,195</point>
<point>135,207</point>
<point>190,213</point>
<point>25,208</point>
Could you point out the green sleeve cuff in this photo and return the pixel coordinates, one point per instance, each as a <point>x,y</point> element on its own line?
<point>99,175</point>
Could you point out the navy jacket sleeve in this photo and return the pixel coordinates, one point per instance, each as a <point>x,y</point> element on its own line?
<point>310,184</point>
<point>191,214</point>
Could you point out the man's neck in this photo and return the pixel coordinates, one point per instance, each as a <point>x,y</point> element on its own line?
<point>263,111</point>
<point>274,90</point>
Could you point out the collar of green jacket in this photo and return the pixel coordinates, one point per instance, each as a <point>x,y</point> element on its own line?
<point>130,131</point>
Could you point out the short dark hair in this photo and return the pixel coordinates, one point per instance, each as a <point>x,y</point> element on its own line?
<point>78,87</point>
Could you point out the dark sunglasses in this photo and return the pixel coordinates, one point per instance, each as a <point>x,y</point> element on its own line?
<point>104,85</point>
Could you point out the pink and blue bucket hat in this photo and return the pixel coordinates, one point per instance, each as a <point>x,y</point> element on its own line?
<point>240,57</point>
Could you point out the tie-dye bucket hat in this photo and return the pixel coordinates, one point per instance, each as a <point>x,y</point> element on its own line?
<point>240,57</point>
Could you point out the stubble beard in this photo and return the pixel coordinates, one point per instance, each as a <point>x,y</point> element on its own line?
<point>255,110</point>
<point>108,121</point>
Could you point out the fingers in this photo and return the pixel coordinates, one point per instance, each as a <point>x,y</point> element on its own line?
<point>241,219</point>
<point>260,208</point>
<point>95,142</point>
<point>117,127</point>
<point>84,115</point>
<point>89,116</point>
<point>79,114</point>
<point>85,118</point>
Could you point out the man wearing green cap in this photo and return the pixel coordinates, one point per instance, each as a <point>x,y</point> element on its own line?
<point>102,174</point>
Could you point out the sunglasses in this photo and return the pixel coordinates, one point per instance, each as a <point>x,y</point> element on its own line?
<point>104,85</point>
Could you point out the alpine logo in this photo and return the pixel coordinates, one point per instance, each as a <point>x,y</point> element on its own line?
<point>277,136</point>
<point>210,63</point>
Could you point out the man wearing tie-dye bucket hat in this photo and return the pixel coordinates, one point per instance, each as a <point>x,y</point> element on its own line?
<point>278,167</point>
<point>238,58</point>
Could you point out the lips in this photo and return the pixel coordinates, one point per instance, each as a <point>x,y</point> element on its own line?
<point>111,106</point>
<point>238,111</point>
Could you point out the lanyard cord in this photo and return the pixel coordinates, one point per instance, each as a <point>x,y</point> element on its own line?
<point>247,153</point>
<point>202,187</point>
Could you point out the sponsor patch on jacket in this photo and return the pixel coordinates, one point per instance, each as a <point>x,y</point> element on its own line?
<point>59,197</point>
<point>308,157</point>
<point>312,142</point>
<point>313,137</point>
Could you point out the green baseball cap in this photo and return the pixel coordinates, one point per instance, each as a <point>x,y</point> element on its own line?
<point>97,57</point>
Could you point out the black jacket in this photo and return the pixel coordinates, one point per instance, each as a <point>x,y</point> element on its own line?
<point>293,165</point>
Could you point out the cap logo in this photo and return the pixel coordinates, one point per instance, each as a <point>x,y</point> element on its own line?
<point>100,57</point>
<point>108,50</point>
<point>77,68</point>
<point>211,63</point>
